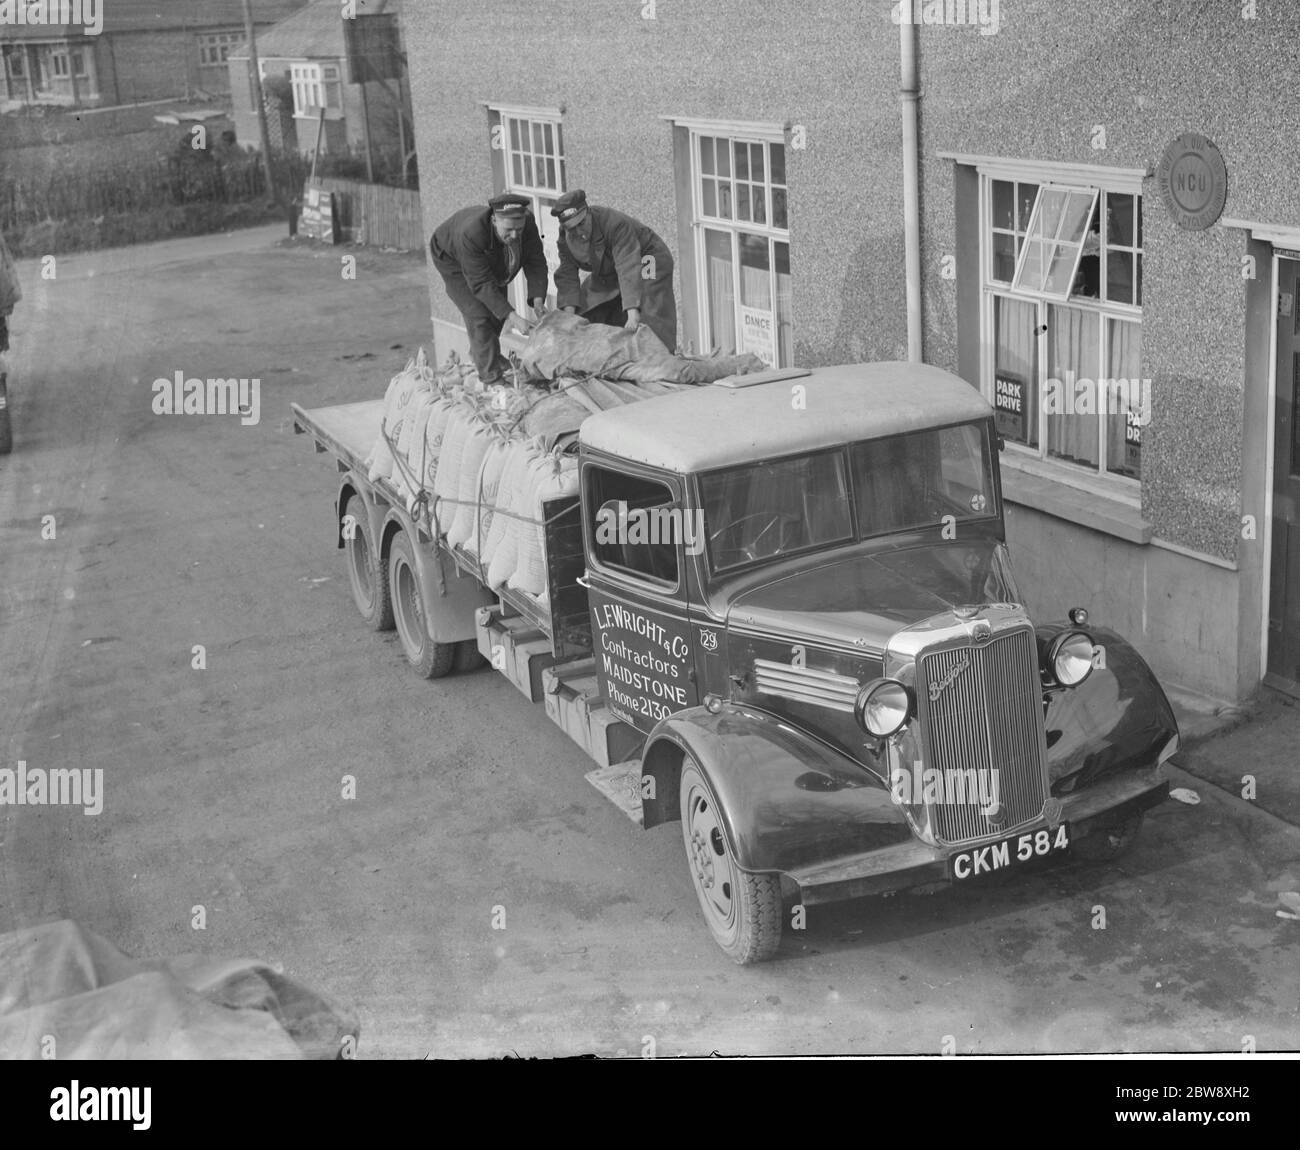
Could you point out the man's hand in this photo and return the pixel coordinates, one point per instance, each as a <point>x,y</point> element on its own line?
<point>539,307</point>
<point>571,310</point>
<point>633,319</point>
<point>520,323</point>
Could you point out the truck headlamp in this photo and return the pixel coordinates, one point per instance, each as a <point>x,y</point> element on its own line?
<point>1070,658</point>
<point>882,707</point>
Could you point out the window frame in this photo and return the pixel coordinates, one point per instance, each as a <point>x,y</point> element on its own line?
<point>702,223</point>
<point>309,77</point>
<point>542,195</point>
<point>650,584</point>
<point>1036,459</point>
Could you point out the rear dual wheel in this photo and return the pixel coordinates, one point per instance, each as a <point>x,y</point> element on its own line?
<point>743,911</point>
<point>431,660</point>
<point>367,569</point>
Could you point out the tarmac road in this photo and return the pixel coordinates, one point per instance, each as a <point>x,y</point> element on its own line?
<point>222,785</point>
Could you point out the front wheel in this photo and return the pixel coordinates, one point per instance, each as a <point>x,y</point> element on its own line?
<point>431,660</point>
<point>743,911</point>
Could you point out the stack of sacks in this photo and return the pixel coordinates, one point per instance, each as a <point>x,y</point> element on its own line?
<point>551,476</point>
<point>501,547</point>
<point>487,494</point>
<point>446,483</point>
<point>406,391</point>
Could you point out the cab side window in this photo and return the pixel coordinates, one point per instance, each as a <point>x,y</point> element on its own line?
<point>635,526</point>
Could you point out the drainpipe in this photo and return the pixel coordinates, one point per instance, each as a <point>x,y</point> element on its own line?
<point>909,94</point>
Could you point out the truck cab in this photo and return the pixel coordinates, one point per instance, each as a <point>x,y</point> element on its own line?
<point>825,647</point>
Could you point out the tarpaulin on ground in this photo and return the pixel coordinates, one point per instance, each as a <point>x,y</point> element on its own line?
<point>564,344</point>
<point>62,983</point>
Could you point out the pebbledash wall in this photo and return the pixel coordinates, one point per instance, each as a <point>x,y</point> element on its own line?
<point>1161,560</point>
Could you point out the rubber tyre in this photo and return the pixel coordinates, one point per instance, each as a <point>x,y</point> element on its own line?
<point>743,911</point>
<point>367,571</point>
<point>6,428</point>
<point>468,657</point>
<point>431,660</point>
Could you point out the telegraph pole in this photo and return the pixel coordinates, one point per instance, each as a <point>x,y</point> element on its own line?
<point>255,80</point>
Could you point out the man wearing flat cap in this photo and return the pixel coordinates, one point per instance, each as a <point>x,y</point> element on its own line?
<point>478,251</point>
<point>631,279</point>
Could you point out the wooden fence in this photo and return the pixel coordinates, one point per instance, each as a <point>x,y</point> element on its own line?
<point>378,216</point>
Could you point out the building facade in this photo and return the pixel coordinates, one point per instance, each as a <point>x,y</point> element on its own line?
<point>1142,356</point>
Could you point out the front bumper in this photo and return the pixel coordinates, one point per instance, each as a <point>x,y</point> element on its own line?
<point>917,864</point>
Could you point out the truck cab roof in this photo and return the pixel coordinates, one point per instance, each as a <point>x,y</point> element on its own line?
<point>700,429</point>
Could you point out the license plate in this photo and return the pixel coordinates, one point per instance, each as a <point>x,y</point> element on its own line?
<point>1010,852</point>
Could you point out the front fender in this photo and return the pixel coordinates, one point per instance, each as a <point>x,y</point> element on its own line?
<point>787,801</point>
<point>1117,720</point>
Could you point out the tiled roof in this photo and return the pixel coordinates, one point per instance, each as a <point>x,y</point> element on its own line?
<point>147,15</point>
<point>315,31</point>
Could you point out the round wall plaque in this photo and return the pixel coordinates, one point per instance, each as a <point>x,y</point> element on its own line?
<point>1193,179</point>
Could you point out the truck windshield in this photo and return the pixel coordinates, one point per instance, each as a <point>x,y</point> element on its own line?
<point>902,483</point>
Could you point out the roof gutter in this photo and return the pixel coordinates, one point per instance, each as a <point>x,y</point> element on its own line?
<point>909,96</point>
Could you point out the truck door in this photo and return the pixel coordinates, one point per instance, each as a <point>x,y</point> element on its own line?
<point>637,581</point>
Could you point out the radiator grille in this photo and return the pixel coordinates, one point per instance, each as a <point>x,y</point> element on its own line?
<point>981,710</point>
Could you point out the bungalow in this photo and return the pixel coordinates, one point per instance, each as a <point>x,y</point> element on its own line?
<point>352,68</point>
<point>123,52</point>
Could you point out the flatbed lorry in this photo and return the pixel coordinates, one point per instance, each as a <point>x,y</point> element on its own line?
<point>819,663</point>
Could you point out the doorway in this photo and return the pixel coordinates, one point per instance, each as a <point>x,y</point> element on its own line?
<point>1283,665</point>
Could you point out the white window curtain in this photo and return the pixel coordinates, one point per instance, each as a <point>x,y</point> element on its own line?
<point>1073,354</point>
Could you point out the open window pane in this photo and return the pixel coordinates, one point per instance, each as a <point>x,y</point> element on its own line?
<point>1055,240</point>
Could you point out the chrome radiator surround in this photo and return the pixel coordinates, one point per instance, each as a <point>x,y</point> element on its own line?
<point>979,703</point>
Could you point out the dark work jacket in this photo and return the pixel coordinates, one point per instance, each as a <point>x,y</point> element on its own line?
<point>618,244</point>
<point>468,244</point>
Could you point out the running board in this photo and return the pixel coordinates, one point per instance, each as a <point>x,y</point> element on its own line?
<point>621,784</point>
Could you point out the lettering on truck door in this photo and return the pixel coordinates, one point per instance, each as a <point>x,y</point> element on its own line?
<point>640,629</point>
<point>643,659</point>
